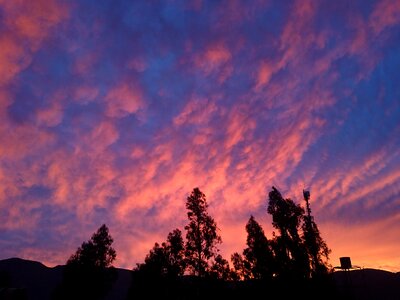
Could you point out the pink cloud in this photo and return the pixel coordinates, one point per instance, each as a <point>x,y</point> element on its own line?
<point>84,64</point>
<point>385,14</point>
<point>197,111</point>
<point>264,75</point>
<point>20,141</point>
<point>235,149</point>
<point>352,184</point>
<point>32,20</point>
<point>123,100</point>
<point>85,94</point>
<point>297,35</point>
<point>13,58</point>
<point>28,23</point>
<point>215,60</point>
<point>50,116</point>
<point>217,54</point>
<point>239,126</point>
<point>102,136</point>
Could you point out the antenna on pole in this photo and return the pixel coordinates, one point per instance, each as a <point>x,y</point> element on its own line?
<point>306,195</point>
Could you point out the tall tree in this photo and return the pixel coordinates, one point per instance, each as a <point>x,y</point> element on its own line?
<point>201,234</point>
<point>317,248</point>
<point>97,252</point>
<point>258,254</point>
<point>291,258</point>
<point>89,273</point>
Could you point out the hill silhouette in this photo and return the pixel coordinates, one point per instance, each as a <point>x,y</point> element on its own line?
<point>368,284</point>
<point>36,281</point>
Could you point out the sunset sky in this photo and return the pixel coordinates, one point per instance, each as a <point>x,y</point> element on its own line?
<point>113,111</point>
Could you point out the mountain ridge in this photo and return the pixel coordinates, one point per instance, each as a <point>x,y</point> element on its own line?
<point>39,281</point>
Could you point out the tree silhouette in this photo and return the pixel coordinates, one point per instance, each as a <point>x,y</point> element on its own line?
<point>258,254</point>
<point>97,252</point>
<point>220,268</point>
<point>241,266</point>
<point>290,254</point>
<point>88,273</point>
<point>175,249</point>
<point>166,260</point>
<point>201,234</point>
<point>158,276</point>
<point>317,248</point>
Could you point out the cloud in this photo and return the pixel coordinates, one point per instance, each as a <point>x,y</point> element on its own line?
<point>26,26</point>
<point>215,60</point>
<point>123,100</point>
<point>119,118</point>
<point>264,75</point>
<point>51,116</point>
<point>197,111</point>
<point>85,94</point>
<point>386,14</point>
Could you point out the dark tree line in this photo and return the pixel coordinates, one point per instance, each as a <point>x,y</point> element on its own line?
<point>193,266</point>
<point>295,253</point>
<point>296,250</point>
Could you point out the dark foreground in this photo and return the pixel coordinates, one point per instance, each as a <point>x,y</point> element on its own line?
<point>23,279</point>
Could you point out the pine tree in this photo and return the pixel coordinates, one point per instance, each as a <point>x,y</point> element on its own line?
<point>201,234</point>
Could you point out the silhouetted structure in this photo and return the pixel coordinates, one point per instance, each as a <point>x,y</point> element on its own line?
<point>291,259</point>
<point>345,263</point>
<point>317,249</point>
<point>302,254</point>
